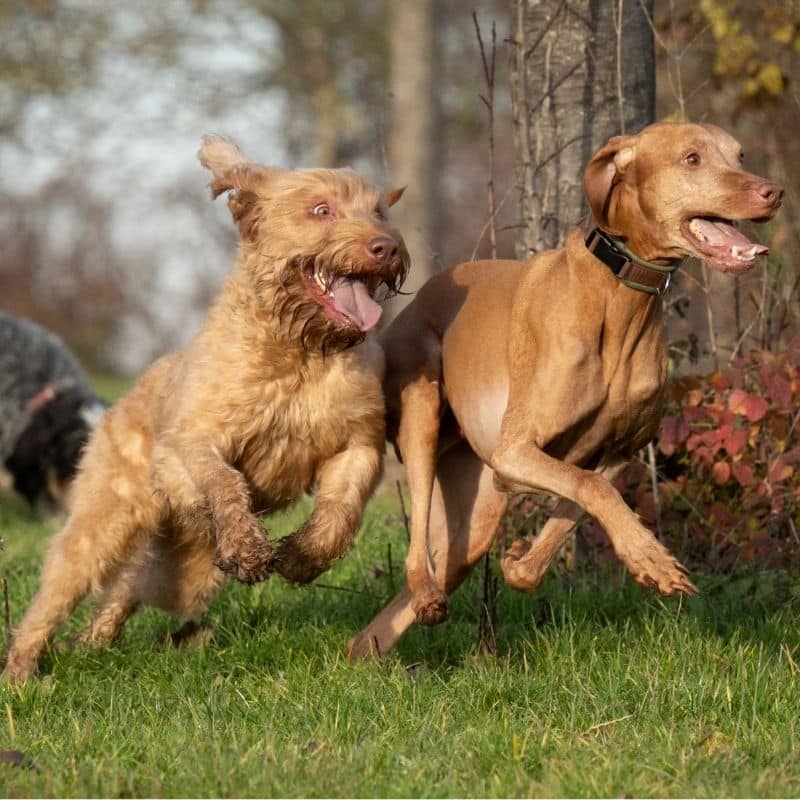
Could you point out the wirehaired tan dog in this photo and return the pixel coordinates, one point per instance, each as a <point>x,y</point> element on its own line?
<point>548,375</point>
<point>271,399</point>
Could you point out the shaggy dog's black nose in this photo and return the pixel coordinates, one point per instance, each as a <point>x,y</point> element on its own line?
<point>384,249</point>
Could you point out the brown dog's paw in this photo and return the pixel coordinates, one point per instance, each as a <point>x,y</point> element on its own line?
<point>654,567</point>
<point>521,570</point>
<point>363,647</point>
<point>191,634</point>
<point>666,578</point>
<point>432,609</point>
<point>249,561</point>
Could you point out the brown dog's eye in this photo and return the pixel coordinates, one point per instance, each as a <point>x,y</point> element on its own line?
<point>693,160</point>
<point>741,158</point>
<point>321,210</point>
<point>379,213</point>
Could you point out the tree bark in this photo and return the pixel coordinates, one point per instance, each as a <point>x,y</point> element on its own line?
<point>581,72</point>
<point>413,136</point>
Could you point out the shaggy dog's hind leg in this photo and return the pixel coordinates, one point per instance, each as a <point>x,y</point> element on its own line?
<point>118,604</point>
<point>179,576</point>
<point>84,556</point>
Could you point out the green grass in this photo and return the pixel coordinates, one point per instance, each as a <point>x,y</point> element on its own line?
<point>595,691</point>
<point>111,387</point>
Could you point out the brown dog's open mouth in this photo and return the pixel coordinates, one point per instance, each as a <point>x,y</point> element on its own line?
<point>721,244</point>
<point>346,299</point>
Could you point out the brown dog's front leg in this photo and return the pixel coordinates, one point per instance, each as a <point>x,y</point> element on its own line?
<point>526,561</point>
<point>196,479</point>
<point>650,563</point>
<point>345,483</point>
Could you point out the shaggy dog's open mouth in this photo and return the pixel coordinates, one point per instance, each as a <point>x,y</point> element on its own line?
<point>348,300</point>
<point>721,244</point>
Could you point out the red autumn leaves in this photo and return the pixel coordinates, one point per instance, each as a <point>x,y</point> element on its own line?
<point>738,425</point>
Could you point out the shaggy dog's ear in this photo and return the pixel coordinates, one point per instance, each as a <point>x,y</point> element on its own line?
<point>234,173</point>
<point>603,172</point>
<point>393,196</point>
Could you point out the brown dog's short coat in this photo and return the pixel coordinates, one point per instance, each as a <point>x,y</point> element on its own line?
<point>547,375</point>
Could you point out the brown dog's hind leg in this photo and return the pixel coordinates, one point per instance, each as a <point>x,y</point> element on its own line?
<point>117,606</point>
<point>465,512</point>
<point>417,439</point>
<point>345,483</point>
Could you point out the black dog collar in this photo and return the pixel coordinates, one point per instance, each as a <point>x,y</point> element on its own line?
<point>631,270</point>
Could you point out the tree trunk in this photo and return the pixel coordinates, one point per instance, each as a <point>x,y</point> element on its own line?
<point>413,136</point>
<point>581,72</point>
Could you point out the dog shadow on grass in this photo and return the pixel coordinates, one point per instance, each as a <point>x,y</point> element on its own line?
<point>754,607</point>
<point>272,623</point>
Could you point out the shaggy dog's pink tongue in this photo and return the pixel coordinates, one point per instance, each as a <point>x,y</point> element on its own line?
<point>351,298</point>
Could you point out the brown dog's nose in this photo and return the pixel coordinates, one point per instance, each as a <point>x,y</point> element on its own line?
<point>771,192</point>
<point>383,249</point>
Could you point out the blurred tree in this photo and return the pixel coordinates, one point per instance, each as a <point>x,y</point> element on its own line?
<point>332,63</point>
<point>581,72</point>
<point>415,134</point>
<point>108,234</point>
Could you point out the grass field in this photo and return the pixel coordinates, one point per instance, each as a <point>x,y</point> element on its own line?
<point>595,691</point>
<point>598,688</point>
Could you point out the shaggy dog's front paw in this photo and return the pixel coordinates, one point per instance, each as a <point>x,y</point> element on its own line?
<point>294,563</point>
<point>247,557</point>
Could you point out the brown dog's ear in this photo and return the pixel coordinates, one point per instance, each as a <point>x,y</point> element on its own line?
<point>393,196</point>
<point>603,172</point>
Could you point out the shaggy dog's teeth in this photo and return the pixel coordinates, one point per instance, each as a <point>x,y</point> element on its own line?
<point>320,279</point>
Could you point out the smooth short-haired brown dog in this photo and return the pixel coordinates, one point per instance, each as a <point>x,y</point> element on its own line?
<point>270,400</point>
<point>548,375</point>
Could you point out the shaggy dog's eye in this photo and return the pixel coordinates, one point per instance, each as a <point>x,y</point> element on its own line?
<point>379,213</point>
<point>693,160</point>
<point>741,158</point>
<point>321,210</point>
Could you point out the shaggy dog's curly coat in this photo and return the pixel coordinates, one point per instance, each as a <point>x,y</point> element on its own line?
<point>270,400</point>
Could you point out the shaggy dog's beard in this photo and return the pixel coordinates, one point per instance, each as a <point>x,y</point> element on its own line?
<point>302,318</point>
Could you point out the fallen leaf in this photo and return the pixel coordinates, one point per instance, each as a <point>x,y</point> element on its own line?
<point>16,758</point>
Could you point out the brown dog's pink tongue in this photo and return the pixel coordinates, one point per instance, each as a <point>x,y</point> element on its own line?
<point>352,299</point>
<point>721,234</point>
